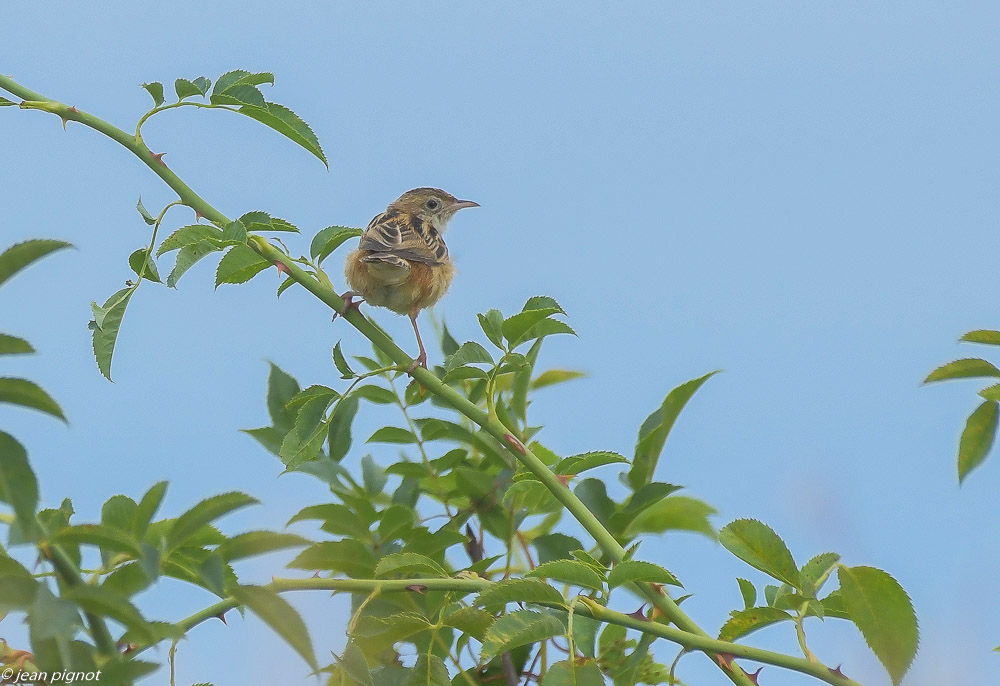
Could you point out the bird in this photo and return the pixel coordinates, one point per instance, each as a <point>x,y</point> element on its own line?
<point>402,262</point>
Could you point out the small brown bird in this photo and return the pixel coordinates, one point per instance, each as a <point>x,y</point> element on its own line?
<point>402,262</point>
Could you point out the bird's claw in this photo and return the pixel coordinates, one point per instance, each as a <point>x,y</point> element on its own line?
<point>419,361</point>
<point>349,304</point>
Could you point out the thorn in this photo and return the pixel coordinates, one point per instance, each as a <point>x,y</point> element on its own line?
<point>837,672</point>
<point>657,587</point>
<point>282,267</point>
<point>316,574</point>
<point>64,120</point>
<point>222,616</point>
<point>72,108</point>
<point>197,216</point>
<point>417,588</point>
<point>127,648</point>
<point>514,443</point>
<point>158,156</point>
<point>638,614</point>
<point>725,660</point>
<point>564,478</point>
<point>753,677</point>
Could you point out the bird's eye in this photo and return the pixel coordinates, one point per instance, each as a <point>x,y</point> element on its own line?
<point>433,204</point>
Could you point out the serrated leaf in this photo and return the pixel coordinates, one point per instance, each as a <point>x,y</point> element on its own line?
<point>569,572</point>
<point>655,430</point>
<point>756,544</point>
<point>186,89</point>
<point>552,377</point>
<point>375,394</point>
<point>574,673</point>
<point>329,239</point>
<point>547,327</point>
<point>813,570</point>
<point>253,543</point>
<point>147,507</point>
<point>675,513</point>
<point>105,602</point>
<point>339,434</point>
<point>155,90</point>
<point>281,388</point>
<point>106,336</point>
<point>525,590</point>
<point>143,265</point>
<point>749,593</point>
<point>405,564</point>
<point>470,620</point>
<point>429,670</point>
<point>977,438</point>
<point>629,571</point>
<point>355,666</point>
<point>187,235</point>
<point>241,77</point>
<point>743,622</point>
<point>239,265</point>
<point>880,608</point>
<point>144,213</point>
<point>278,614</point>
<point>18,487</point>
<point>492,325</point>
<point>392,434</point>
<point>541,302</point>
<point>555,546</point>
<point>349,556</point>
<point>341,363</point>
<point>107,537</point>
<point>470,353</point>
<point>985,336</point>
<point>29,394</point>
<point>187,257</point>
<point>20,255</point>
<point>963,369</point>
<point>517,629</point>
<point>515,326</point>
<point>257,221</point>
<point>208,510</point>
<point>12,345</point>
<point>235,231</point>
<point>287,123</point>
<point>577,464</point>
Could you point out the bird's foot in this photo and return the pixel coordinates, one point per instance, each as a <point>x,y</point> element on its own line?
<point>349,304</point>
<point>420,361</point>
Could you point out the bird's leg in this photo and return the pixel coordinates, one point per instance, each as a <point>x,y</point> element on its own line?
<point>349,303</point>
<point>421,360</point>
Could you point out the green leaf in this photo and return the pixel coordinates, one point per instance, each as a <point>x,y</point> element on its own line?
<point>144,266</point>
<point>629,571</point>
<point>329,239</point>
<point>288,124</point>
<point>985,336</point>
<point>815,569</point>
<point>756,544</point>
<point>748,592</point>
<point>28,394</point>
<point>106,334</point>
<point>253,543</point>
<point>278,614</point>
<point>519,628</point>
<point>880,608</point>
<point>449,346</point>
<point>524,590</point>
<point>355,666</point>
<point>105,602</point>
<point>574,673</point>
<point>241,77</point>
<point>281,388</point>
<point>405,564</point>
<point>470,620</point>
<point>4,102</point>
<point>963,369</point>
<point>654,431</point>
<point>547,327</point>
<point>339,435</point>
<point>555,546</point>
<point>12,345</point>
<point>470,353</point>
<point>577,464</point>
<point>257,221</point>
<point>144,213</point>
<point>186,89</point>
<point>569,572</point>
<point>977,438</point>
<point>743,622</point>
<point>541,302</point>
<point>20,255</point>
<point>52,617</point>
<point>555,376</point>
<point>392,434</point>
<point>516,326</point>
<point>155,90</point>
<point>429,670</point>
<point>235,231</point>
<point>147,507</point>
<point>676,513</point>
<point>239,265</point>
<point>189,235</point>
<point>188,256</point>
<point>208,510</point>
<point>349,556</point>
<point>373,476</point>
<point>375,394</point>
<point>18,487</point>
<point>492,324</point>
<point>341,363</point>
<point>17,592</point>
<point>108,538</point>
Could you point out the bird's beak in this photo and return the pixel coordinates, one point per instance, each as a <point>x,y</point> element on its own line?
<point>460,204</point>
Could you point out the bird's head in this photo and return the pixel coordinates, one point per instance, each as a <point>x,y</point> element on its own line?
<point>432,205</point>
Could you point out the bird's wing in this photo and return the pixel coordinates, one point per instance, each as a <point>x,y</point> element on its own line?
<point>404,237</point>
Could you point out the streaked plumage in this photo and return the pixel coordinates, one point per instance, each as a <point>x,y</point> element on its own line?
<point>402,261</point>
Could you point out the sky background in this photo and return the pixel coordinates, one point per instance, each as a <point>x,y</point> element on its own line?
<point>802,194</point>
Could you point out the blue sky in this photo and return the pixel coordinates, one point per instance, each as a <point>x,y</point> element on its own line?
<point>803,195</point>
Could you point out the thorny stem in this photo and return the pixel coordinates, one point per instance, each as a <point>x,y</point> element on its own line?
<point>688,633</point>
